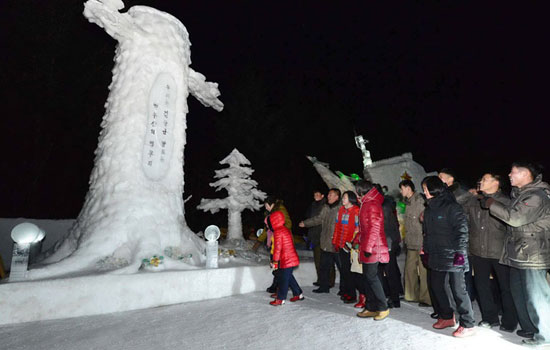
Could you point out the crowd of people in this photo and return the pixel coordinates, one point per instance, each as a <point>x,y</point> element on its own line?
<point>461,246</point>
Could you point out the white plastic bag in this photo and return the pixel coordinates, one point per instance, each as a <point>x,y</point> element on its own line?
<point>356,265</point>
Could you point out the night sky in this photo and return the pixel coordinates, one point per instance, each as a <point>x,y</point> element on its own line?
<point>460,86</point>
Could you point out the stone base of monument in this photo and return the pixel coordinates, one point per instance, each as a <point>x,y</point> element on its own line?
<point>101,294</point>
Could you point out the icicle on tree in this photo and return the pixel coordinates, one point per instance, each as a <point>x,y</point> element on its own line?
<point>241,189</point>
<point>134,207</point>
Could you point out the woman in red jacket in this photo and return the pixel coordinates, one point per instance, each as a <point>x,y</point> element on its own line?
<point>373,249</point>
<point>284,259</point>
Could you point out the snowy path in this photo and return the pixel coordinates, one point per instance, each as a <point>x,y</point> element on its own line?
<point>248,322</point>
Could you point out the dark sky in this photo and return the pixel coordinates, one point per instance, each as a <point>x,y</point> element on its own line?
<point>459,85</point>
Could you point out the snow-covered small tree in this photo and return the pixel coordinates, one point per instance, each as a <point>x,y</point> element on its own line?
<point>241,189</point>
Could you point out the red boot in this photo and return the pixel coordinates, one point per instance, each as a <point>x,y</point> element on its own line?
<point>277,302</point>
<point>297,298</point>
<point>362,301</point>
<point>350,300</point>
<point>274,295</point>
<point>441,323</point>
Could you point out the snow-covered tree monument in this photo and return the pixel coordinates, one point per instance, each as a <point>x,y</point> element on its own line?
<point>134,207</point>
<point>241,189</point>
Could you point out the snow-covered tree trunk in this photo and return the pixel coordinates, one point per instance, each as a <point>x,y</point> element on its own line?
<point>134,207</point>
<point>235,229</point>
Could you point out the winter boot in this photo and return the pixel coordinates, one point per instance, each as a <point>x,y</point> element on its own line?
<point>277,302</point>
<point>366,313</point>
<point>382,315</point>
<point>441,323</point>
<point>274,295</point>
<point>297,298</point>
<point>362,301</point>
<point>462,332</point>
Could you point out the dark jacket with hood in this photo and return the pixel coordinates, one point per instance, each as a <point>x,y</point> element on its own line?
<point>487,233</point>
<point>527,245</point>
<point>445,233</point>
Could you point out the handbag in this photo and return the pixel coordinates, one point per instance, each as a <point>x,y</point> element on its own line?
<point>356,265</point>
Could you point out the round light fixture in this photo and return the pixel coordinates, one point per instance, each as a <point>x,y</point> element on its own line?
<point>26,233</point>
<point>212,233</point>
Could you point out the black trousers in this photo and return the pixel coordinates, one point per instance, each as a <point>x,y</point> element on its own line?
<point>460,296</point>
<point>435,303</point>
<point>347,283</point>
<point>470,286</point>
<point>531,294</point>
<point>483,267</point>
<point>376,299</point>
<point>390,276</point>
<point>328,260</point>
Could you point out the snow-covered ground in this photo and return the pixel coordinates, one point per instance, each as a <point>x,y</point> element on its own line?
<point>247,321</point>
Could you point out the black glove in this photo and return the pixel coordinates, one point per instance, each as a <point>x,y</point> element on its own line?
<point>396,249</point>
<point>367,254</point>
<point>425,259</point>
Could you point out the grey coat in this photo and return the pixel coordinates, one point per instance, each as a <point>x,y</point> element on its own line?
<point>413,226</point>
<point>487,233</point>
<point>327,220</point>
<point>527,246</point>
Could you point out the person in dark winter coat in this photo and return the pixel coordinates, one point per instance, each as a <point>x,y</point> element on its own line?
<point>389,273</point>
<point>446,246</point>
<point>373,249</point>
<point>448,176</point>
<point>314,233</point>
<point>329,257</point>
<point>284,260</point>
<point>487,235</point>
<point>527,249</point>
